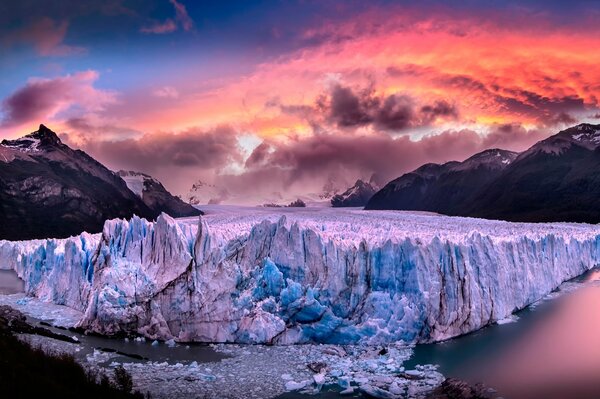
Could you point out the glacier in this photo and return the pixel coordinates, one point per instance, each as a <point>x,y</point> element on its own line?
<point>287,276</point>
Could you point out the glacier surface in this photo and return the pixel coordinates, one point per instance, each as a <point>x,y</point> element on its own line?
<point>285,276</point>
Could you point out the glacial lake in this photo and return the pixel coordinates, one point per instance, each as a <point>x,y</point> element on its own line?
<point>551,351</point>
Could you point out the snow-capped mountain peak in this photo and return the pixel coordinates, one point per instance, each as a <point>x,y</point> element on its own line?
<point>357,195</point>
<point>491,158</point>
<point>203,193</point>
<point>33,142</point>
<point>585,133</point>
<point>136,180</point>
<point>155,195</point>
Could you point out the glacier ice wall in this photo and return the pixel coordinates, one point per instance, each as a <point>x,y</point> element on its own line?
<point>55,270</point>
<point>292,279</point>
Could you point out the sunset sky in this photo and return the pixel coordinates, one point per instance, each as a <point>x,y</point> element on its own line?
<point>276,96</point>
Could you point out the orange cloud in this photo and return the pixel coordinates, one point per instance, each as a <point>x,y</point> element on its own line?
<point>494,73</point>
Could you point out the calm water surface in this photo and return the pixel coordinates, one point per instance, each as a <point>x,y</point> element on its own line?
<point>552,351</point>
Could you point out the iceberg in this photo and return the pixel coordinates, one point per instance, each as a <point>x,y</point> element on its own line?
<point>282,276</point>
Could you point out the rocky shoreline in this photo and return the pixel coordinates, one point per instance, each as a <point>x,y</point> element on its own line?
<point>259,371</point>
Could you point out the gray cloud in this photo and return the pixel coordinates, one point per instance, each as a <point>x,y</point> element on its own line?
<point>176,159</point>
<point>300,165</point>
<point>346,108</point>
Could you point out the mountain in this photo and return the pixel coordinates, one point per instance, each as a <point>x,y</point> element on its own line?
<point>203,193</point>
<point>357,195</point>
<point>155,195</point>
<point>48,189</point>
<point>443,188</point>
<point>557,179</point>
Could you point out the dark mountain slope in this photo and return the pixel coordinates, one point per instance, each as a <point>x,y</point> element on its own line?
<point>558,179</point>
<point>443,188</point>
<point>155,195</point>
<point>50,190</point>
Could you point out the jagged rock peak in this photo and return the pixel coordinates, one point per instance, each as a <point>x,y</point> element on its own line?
<point>33,141</point>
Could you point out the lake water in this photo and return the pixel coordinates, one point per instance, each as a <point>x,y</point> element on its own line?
<point>552,351</point>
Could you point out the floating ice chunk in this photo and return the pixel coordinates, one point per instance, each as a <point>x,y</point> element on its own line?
<point>319,378</point>
<point>510,319</point>
<point>296,386</point>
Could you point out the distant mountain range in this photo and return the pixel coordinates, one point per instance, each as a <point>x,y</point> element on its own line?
<point>557,179</point>
<point>203,193</point>
<point>357,195</point>
<point>48,189</point>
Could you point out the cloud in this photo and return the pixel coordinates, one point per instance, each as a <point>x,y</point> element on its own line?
<point>280,169</point>
<point>41,99</point>
<point>259,155</point>
<point>182,16</point>
<point>166,92</point>
<point>161,27</point>
<point>202,149</point>
<point>345,107</point>
<point>45,35</point>
<point>440,108</point>
<point>512,136</point>
<point>177,159</point>
<point>182,19</point>
<point>303,164</point>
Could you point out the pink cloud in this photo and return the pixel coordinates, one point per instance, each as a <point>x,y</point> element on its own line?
<point>41,99</point>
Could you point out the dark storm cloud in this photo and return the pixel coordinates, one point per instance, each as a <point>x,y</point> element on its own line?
<point>512,136</point>
<point>528,101</point>
<point>31,102</point>
<point>440,108</point>
<point>561,118</point>
<point>300,164</point>
<point>345,107</point>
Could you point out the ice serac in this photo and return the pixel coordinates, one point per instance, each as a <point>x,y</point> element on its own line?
<point>136,260</point>
<point>55,270</point>
<point>333,276</point>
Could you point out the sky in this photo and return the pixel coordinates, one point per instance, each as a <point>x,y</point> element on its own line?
<point>271,99</point>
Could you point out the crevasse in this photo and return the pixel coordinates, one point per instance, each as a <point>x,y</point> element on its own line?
<point>343,277</point>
